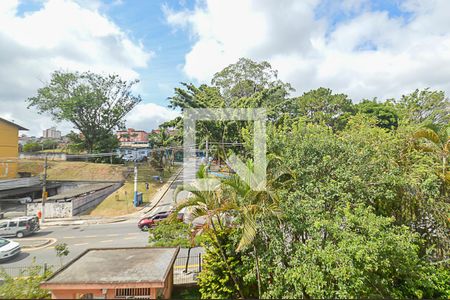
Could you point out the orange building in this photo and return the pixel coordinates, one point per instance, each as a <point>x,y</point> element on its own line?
<point>116,273</point>
<point>9,148</point>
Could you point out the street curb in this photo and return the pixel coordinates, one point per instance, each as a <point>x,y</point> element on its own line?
<point>165,192</point>
<point>44,242</point>
<point>118,219</point>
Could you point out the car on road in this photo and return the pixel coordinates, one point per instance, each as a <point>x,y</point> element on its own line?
<point>19,227</point>
<point>8,249</point>
<point>148,222</point>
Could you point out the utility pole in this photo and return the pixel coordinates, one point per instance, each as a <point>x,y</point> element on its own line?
<point>135,199</point>
<point>44,189</point>
<point>207,153</point>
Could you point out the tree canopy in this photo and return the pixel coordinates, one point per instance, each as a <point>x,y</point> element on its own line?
<point>93,103</point>
<point>357,201</point>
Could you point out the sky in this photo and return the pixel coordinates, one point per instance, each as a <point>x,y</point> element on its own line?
<point>363,48</point>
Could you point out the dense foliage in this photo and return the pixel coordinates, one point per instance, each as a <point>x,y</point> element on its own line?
<point>170,233</point>
<point>35,146</point>
<point>26,285</point>
<point>357,202</point>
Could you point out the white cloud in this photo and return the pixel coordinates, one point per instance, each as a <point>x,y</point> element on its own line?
<point>370,54</point>
<point>62,35</point>
<point>147,116</point>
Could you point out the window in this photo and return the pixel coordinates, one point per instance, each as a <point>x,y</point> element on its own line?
<point>22,223</point>
<point>12,224</point>
<point>3,225</point>
<point>142,293</point>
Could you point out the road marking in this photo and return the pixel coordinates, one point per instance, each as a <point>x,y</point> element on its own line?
<point>183,267</point>
<point>107,241</point>
<point>90,236</point>
<point>80,244</point>
<point>112,235</point>
<point>49,245</point>
<point>131,238</point>
<point>133,233</point>
<point>69,237</point>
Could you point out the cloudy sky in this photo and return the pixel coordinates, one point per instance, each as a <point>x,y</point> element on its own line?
<point>378,48</point>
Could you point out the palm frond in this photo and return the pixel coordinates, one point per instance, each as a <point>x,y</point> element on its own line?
<point>248,231</point>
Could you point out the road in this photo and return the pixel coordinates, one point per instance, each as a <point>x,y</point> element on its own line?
<point>82,237</point>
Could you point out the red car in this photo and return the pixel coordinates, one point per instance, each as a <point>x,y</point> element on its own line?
<point>147,222</point>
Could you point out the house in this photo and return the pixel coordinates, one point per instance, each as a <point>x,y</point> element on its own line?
<point>116,273</point>
<point>9,148</point>
<point>132,138</point>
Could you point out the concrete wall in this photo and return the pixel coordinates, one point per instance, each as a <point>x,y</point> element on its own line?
<point>52,209</point>
<point>50,156</point>
<point>84,203</point>
<point>73,207</point>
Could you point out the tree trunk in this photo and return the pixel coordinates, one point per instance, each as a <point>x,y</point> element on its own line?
<point>187,260</point>
<point>258,277</point>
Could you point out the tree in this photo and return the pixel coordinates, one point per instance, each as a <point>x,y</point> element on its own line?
<point>247,77</point>
<point>321,106</point>
<point>94,104</point>
<point>385,113</point>
<point>160,141</point>
<point>32,147</point>
<point>436,141</point>
<point>62,250</point>
<point>211,206</point>
<point>426,106</point>
<point>26,285</point>
<point>170,233</point>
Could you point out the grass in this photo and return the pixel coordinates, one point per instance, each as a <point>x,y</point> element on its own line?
<point>74,170</point>
<point>121,201</point>
<point>116,204</point>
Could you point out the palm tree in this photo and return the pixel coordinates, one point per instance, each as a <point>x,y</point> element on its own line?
<point>233,196</point>
<point>257,205</point>
<point>431,139</point>
<point>212,206</point>
<point>160,140</point>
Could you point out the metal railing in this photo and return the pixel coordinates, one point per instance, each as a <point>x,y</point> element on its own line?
<point>186,269</point>
<point>19,271</point>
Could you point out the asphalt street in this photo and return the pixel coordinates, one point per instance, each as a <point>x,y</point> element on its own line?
<point>82,237</point>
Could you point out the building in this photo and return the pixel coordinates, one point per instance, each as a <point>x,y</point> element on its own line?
<point>132,138</point>
<point>116,273</point>
<point>9,148</point>
<point>51,133</point>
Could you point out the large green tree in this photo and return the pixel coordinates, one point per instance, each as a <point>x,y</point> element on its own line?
<point>247,77</point>
<point>321,106</point>
<point>425,106</point>
<point>93,103</point>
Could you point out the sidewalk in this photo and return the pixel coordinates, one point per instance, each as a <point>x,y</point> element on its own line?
<point>84,220</point>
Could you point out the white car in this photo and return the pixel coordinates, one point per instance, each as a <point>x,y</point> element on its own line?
<point>8,249</point>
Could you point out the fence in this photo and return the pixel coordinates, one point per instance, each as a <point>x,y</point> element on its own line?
<point>20,271</point>
<point>186,269</point>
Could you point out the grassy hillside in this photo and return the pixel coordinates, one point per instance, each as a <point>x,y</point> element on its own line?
<point>68,170</point>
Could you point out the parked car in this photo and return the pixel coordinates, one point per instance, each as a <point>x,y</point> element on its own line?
<point>147,222</point>
<point>8,249</point>
<point>19,227</point>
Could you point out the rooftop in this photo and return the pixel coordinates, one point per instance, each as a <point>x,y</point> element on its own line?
<point>13,124</point>
<point>116,266</point>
